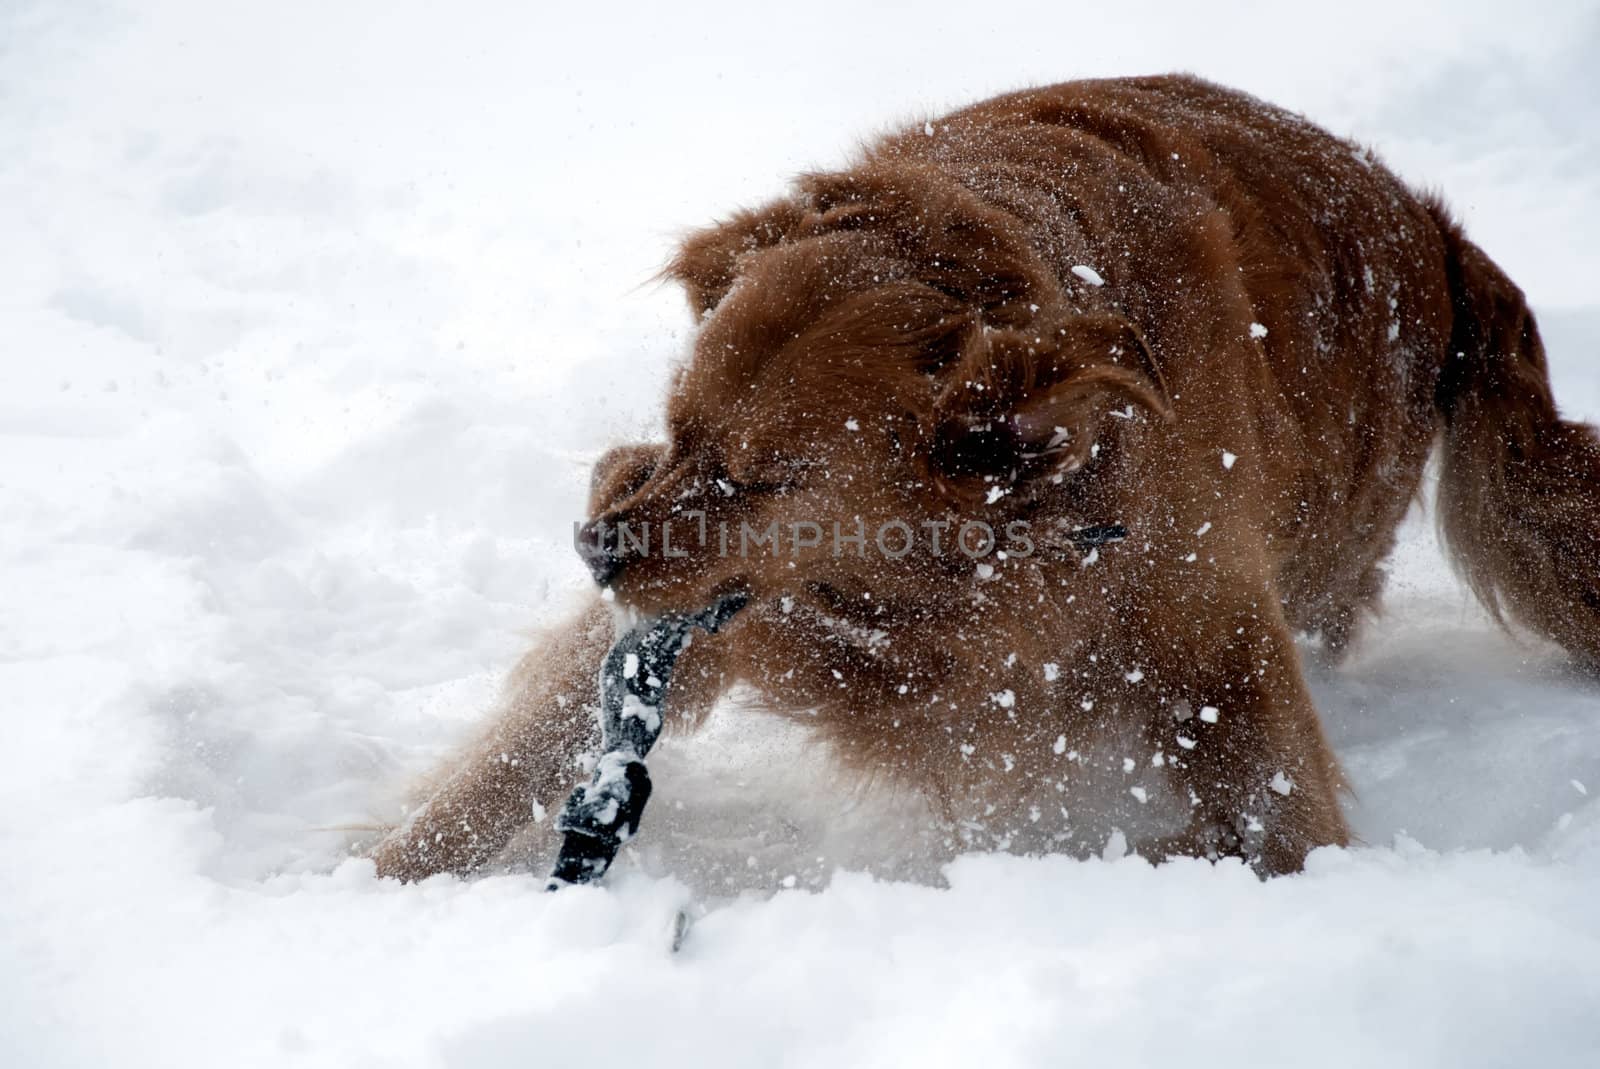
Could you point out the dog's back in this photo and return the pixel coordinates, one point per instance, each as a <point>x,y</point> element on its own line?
<point>1384,325</point>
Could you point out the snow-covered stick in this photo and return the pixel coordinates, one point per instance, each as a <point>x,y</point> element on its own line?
<point>604,813</point>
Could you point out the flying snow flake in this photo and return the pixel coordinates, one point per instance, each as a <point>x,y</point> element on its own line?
<point>1052,671</point>
<point>1186,742</point>
<point>1140,793</point>
<point>1204,527</point>
<point>1228,459</point>
<point>1191,558</point>
<point>630,666</point>
<point>726,487</point>
<point>1088,274</point>
<point>927,128</point>
<point>967,749</point>
<point>1257,330</point>
<point>1209,713</point>
<point>995,494</point>
<point>1128,764</point>
<point>851,424</point>
<point>1134,676</point>
<point>1005,699</point>
<point>786,603</point>
<point>1061,745</point>
<point>1579,787</point>
<point>985,571</point>
<point>1281,783</point>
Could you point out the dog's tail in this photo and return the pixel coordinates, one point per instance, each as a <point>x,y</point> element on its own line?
<point>1519,487</point>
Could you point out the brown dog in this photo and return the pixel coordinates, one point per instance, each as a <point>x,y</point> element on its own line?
<point>1152,304</point>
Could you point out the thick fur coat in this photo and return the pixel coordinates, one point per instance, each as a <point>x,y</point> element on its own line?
<point>1151,304</point>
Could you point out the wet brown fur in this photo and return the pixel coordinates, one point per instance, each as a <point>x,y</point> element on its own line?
<point>906,339</point>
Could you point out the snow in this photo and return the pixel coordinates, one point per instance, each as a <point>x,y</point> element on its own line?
<point>1088,274</point>
<point>317,315</point>
<point>634,706</point>
<point>1257,330</point>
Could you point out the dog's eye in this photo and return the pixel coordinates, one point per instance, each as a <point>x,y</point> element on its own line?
<point>764,477</point>
<point>962,449</point>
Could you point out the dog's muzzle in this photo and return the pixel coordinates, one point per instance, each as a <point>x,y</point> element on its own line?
<point>599,547</point>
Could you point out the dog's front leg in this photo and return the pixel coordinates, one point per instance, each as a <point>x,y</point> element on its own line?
<point>527,758</point>
<point>1247,747</point>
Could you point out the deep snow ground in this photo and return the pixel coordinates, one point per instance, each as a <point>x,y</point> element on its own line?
<point>313,317</point>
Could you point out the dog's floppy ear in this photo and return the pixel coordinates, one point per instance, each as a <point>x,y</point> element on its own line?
<point>707,261</point>
<point>1023,407</point>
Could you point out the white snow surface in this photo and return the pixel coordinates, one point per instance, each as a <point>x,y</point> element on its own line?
<point>315,316</point>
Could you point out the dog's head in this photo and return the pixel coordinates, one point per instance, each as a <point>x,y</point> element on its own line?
<point>862,434</point>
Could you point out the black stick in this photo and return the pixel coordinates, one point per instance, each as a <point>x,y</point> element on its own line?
<point>604,813</point>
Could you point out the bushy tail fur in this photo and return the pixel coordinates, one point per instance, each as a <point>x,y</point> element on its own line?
<point>1519,487</point>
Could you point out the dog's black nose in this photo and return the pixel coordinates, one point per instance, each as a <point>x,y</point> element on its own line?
<point>598,545</point>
